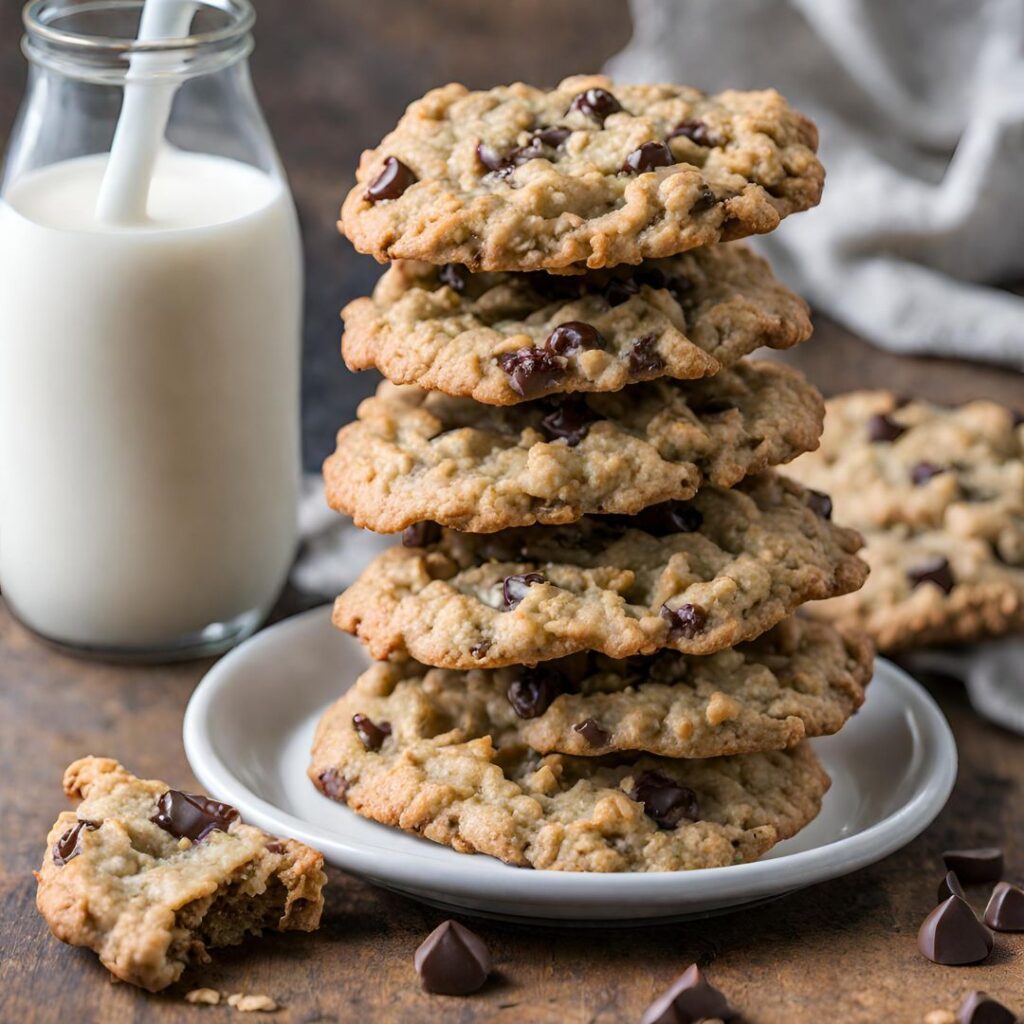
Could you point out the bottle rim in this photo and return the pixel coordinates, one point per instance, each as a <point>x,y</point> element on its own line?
<point>106,58</point>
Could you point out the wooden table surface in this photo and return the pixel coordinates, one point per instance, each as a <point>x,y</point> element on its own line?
<point>331,81</point>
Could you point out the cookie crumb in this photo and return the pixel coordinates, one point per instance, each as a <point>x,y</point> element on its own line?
<point>252,1004</point>
<point>207,996</point>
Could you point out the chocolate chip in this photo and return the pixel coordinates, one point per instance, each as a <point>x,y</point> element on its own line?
<point>680,288</point>
<point>922,472</point>
<point>421,535</point>
<point>455,275</point>
<point>689,999</point>
<point>570,420</point>
<point>596,103</point>
<point>332,783</point>
<point>952,935</point>
<point>552,137</point>
<point>950,886</point>
<point>704,201</point>
<point>819,503</point>
<point>686,621</point>
<point>573,336</point>
<point>981,1008</point>
<point>372,734</point>
<point>665,800</point>
<point>1005,910</point>
<point>66,846</point>
<point>592,732</point>
<point>647,157</point>
<point>669,517</point>
<point>1017,417</point>
<point>479,649</point>
<point>275,847</point>
<point>491,158</point>
<point>643,356</point>
<point>557,287</point>
<point>533,690</point>
<point>192,816</point>
<point>881,428</point>
<point>531,371</point>
<point>392,181</point>
<point>936,570</point>
<point>696,131</point>
<point>452,960</point>
<point>514,588</point>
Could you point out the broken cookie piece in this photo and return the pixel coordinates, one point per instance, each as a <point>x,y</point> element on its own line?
<point>150,878</point>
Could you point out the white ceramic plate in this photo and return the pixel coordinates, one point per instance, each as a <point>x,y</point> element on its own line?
<point>250,722</point>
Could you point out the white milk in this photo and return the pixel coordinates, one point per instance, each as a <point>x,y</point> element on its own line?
<point>148,401</point>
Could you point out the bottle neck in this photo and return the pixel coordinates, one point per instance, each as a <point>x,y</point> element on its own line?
<point>95,40</point>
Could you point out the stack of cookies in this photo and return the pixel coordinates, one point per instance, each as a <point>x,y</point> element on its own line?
<point>589,659</point>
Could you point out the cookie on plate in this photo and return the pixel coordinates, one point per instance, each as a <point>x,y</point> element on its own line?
<point>424,759</point>
<point>150,878</point>
<point>939,495</point>
<point>414,455</point>
<point>589,173</point>
<point>503,338</point>
<point>696,577</point>
<point>801,679</point>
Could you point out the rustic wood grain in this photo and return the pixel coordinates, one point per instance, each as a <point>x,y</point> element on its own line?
<point>333,75</point>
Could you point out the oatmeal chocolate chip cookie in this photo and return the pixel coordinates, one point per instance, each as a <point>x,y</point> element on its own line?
<point>801,679</point>
<point>504,338</point>
<point>888,462</point>
<point>414,455</point>
<point>150,877</point>
<point>930,587</point>
<point>590,173</point>
<point>939,494</point>
<point>696,577</point>
<point>445,771</point>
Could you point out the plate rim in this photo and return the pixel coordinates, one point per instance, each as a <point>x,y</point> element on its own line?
<point>933,739</point>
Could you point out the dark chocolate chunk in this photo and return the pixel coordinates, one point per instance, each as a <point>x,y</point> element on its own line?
<point>514,588</point>
<point>647,157</point>
<point>452,960</point>
<point>952,935</point>
<point>643,356</point>
<point>275,847</point>
<point>620,290</point>
<point>1005,910</point>
<point>570,420</point>
<point>819,503</point>
<point>421,534</point>
<point>665,800</point>
<point>491,158</point>
<point>573,336</point>
<point>936,570</point>
<point>981,1008</point>
<point>686,621</point>
<point>923,472</point>
<point>697,131</point>
<point>704,201</point>
<point>652,277</point>
<point>669,517</point>
<point>689,999</point>
<point>950,886</point>
<point>592,732</point>
<point>192,816</point>
<point>557,287</point>
<point>552,137</point>
<point>533,690</point>
<point>680,288</point>
<point>392,181</point>
<point>881,428</point>
<point>66,846</point>
<point>372,734</point>
<point>455,275</point>
<point>596,103</point>
<point>531,371</point>
<point>480,649</point>
<point>332,783</point>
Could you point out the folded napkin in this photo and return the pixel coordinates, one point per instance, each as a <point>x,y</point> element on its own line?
<point>920,105</point>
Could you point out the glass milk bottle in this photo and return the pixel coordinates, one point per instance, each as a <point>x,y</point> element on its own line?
<point>149,366</point>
